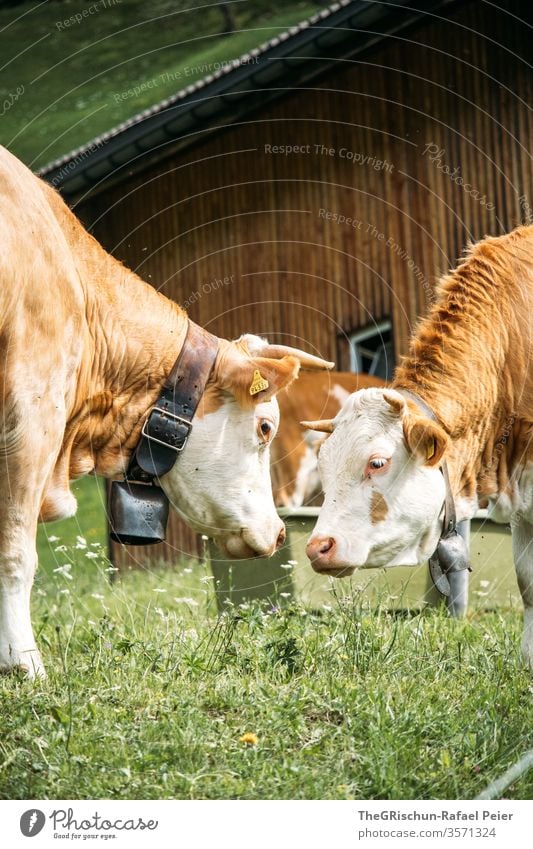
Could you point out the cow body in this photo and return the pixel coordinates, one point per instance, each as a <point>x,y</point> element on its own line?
<point>294,455</point>
<point>85,348</point>
<point>469,362</point>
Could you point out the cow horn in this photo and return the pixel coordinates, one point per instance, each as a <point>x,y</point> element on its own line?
<point>323,425</point>
<point>397,404</point>
<point>307,361</point>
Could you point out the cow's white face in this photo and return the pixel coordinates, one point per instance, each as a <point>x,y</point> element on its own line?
<point>384,492</point>
<point>221,484</point>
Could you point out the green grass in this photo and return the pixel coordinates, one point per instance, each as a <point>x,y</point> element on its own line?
<point>149,692</point>
<point>72,79</point>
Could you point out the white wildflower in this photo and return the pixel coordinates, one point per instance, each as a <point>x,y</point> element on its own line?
<point>91,555</point>
<point>186,600</point>
<point>159,590</point>
<point>65,571</point>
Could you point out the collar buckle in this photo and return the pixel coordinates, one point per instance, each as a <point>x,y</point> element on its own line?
<point>166,415</point>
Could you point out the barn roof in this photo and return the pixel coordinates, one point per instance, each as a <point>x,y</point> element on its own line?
<point>294,58</point>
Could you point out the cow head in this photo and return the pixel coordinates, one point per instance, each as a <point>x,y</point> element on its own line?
<point>221,483</point>
<point>383,490</point>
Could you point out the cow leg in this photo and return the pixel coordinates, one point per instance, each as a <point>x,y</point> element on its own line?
<point>29,447</point>
<point>17,643</point>
<point>523,558</point>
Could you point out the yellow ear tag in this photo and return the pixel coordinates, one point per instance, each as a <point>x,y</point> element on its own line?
<point>258,383</point>
<point>430,449</point>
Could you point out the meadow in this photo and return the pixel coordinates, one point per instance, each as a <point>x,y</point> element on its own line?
<point>152,694</point>
<point>73,70</point>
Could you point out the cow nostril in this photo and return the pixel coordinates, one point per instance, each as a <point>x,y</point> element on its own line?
<point>281,538</point>
<point>326,545</point>
<point>320,547</point>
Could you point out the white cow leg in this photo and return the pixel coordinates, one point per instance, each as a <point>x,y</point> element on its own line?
<point>18,650</point>
<point>523,558</point>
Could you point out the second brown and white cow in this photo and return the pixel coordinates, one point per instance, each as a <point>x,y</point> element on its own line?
<point>86,347</point>
<point>470,363</point>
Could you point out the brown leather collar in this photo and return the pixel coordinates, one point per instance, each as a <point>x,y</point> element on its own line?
<point>451,554</point>
<point>166,430</point>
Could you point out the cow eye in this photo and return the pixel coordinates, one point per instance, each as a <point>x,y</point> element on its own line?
<point>265,431</point>
<point>375,465</point>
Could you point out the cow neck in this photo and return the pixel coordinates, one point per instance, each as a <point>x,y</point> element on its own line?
<point>450,554</point>
<point>167,427</point>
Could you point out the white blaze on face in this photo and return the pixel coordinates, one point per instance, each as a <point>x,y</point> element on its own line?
<point>221,482</point>
<point>384,492</point>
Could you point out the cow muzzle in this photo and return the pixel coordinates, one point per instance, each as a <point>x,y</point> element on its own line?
<point>245,544</point>
<point>322,551</point>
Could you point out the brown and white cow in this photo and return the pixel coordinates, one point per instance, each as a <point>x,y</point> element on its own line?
<point>293,456</point>
<point>470,362</point>
<point>86,346</point>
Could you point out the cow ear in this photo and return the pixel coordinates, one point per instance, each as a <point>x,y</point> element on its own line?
<point>425,438</point>
<point>254,379</point>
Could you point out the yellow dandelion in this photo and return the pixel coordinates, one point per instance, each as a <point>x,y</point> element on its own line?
<point>250,738</point>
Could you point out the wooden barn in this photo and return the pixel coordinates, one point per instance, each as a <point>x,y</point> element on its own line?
<point>314,190</point>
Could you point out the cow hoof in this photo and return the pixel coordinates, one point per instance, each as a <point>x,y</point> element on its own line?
<point>30,667</point>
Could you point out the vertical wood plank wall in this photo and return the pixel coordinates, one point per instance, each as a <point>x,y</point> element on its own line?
<point>235,231</point>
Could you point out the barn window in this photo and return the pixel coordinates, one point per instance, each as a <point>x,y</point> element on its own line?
<point>372,351</point>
